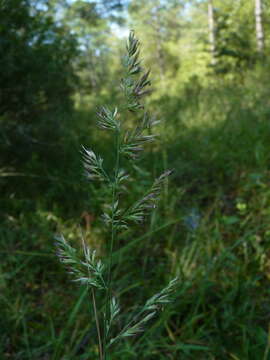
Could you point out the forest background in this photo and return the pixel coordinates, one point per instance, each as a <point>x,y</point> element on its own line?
<point>60,61</point>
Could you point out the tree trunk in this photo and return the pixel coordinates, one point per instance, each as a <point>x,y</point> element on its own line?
<point>157,28</point>
<point>259,26</point>
<point>212,37</point>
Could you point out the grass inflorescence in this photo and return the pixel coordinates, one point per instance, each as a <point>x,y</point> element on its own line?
<point>89,271</point>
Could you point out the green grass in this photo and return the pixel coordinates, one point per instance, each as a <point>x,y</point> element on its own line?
<point>212,228</point>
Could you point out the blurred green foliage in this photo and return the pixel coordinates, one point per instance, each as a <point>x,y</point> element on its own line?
<point>61,60</point>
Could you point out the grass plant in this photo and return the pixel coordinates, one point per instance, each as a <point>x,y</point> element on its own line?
<point>89,270</point>
<point>216,235</point>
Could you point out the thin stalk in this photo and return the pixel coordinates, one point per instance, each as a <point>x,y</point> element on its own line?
<point>97,325</point>
<point>95,308</point>
<point>267,350</point>
<point>113,236</point>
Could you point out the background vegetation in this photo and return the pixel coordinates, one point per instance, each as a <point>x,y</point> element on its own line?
<point>60,60</point>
